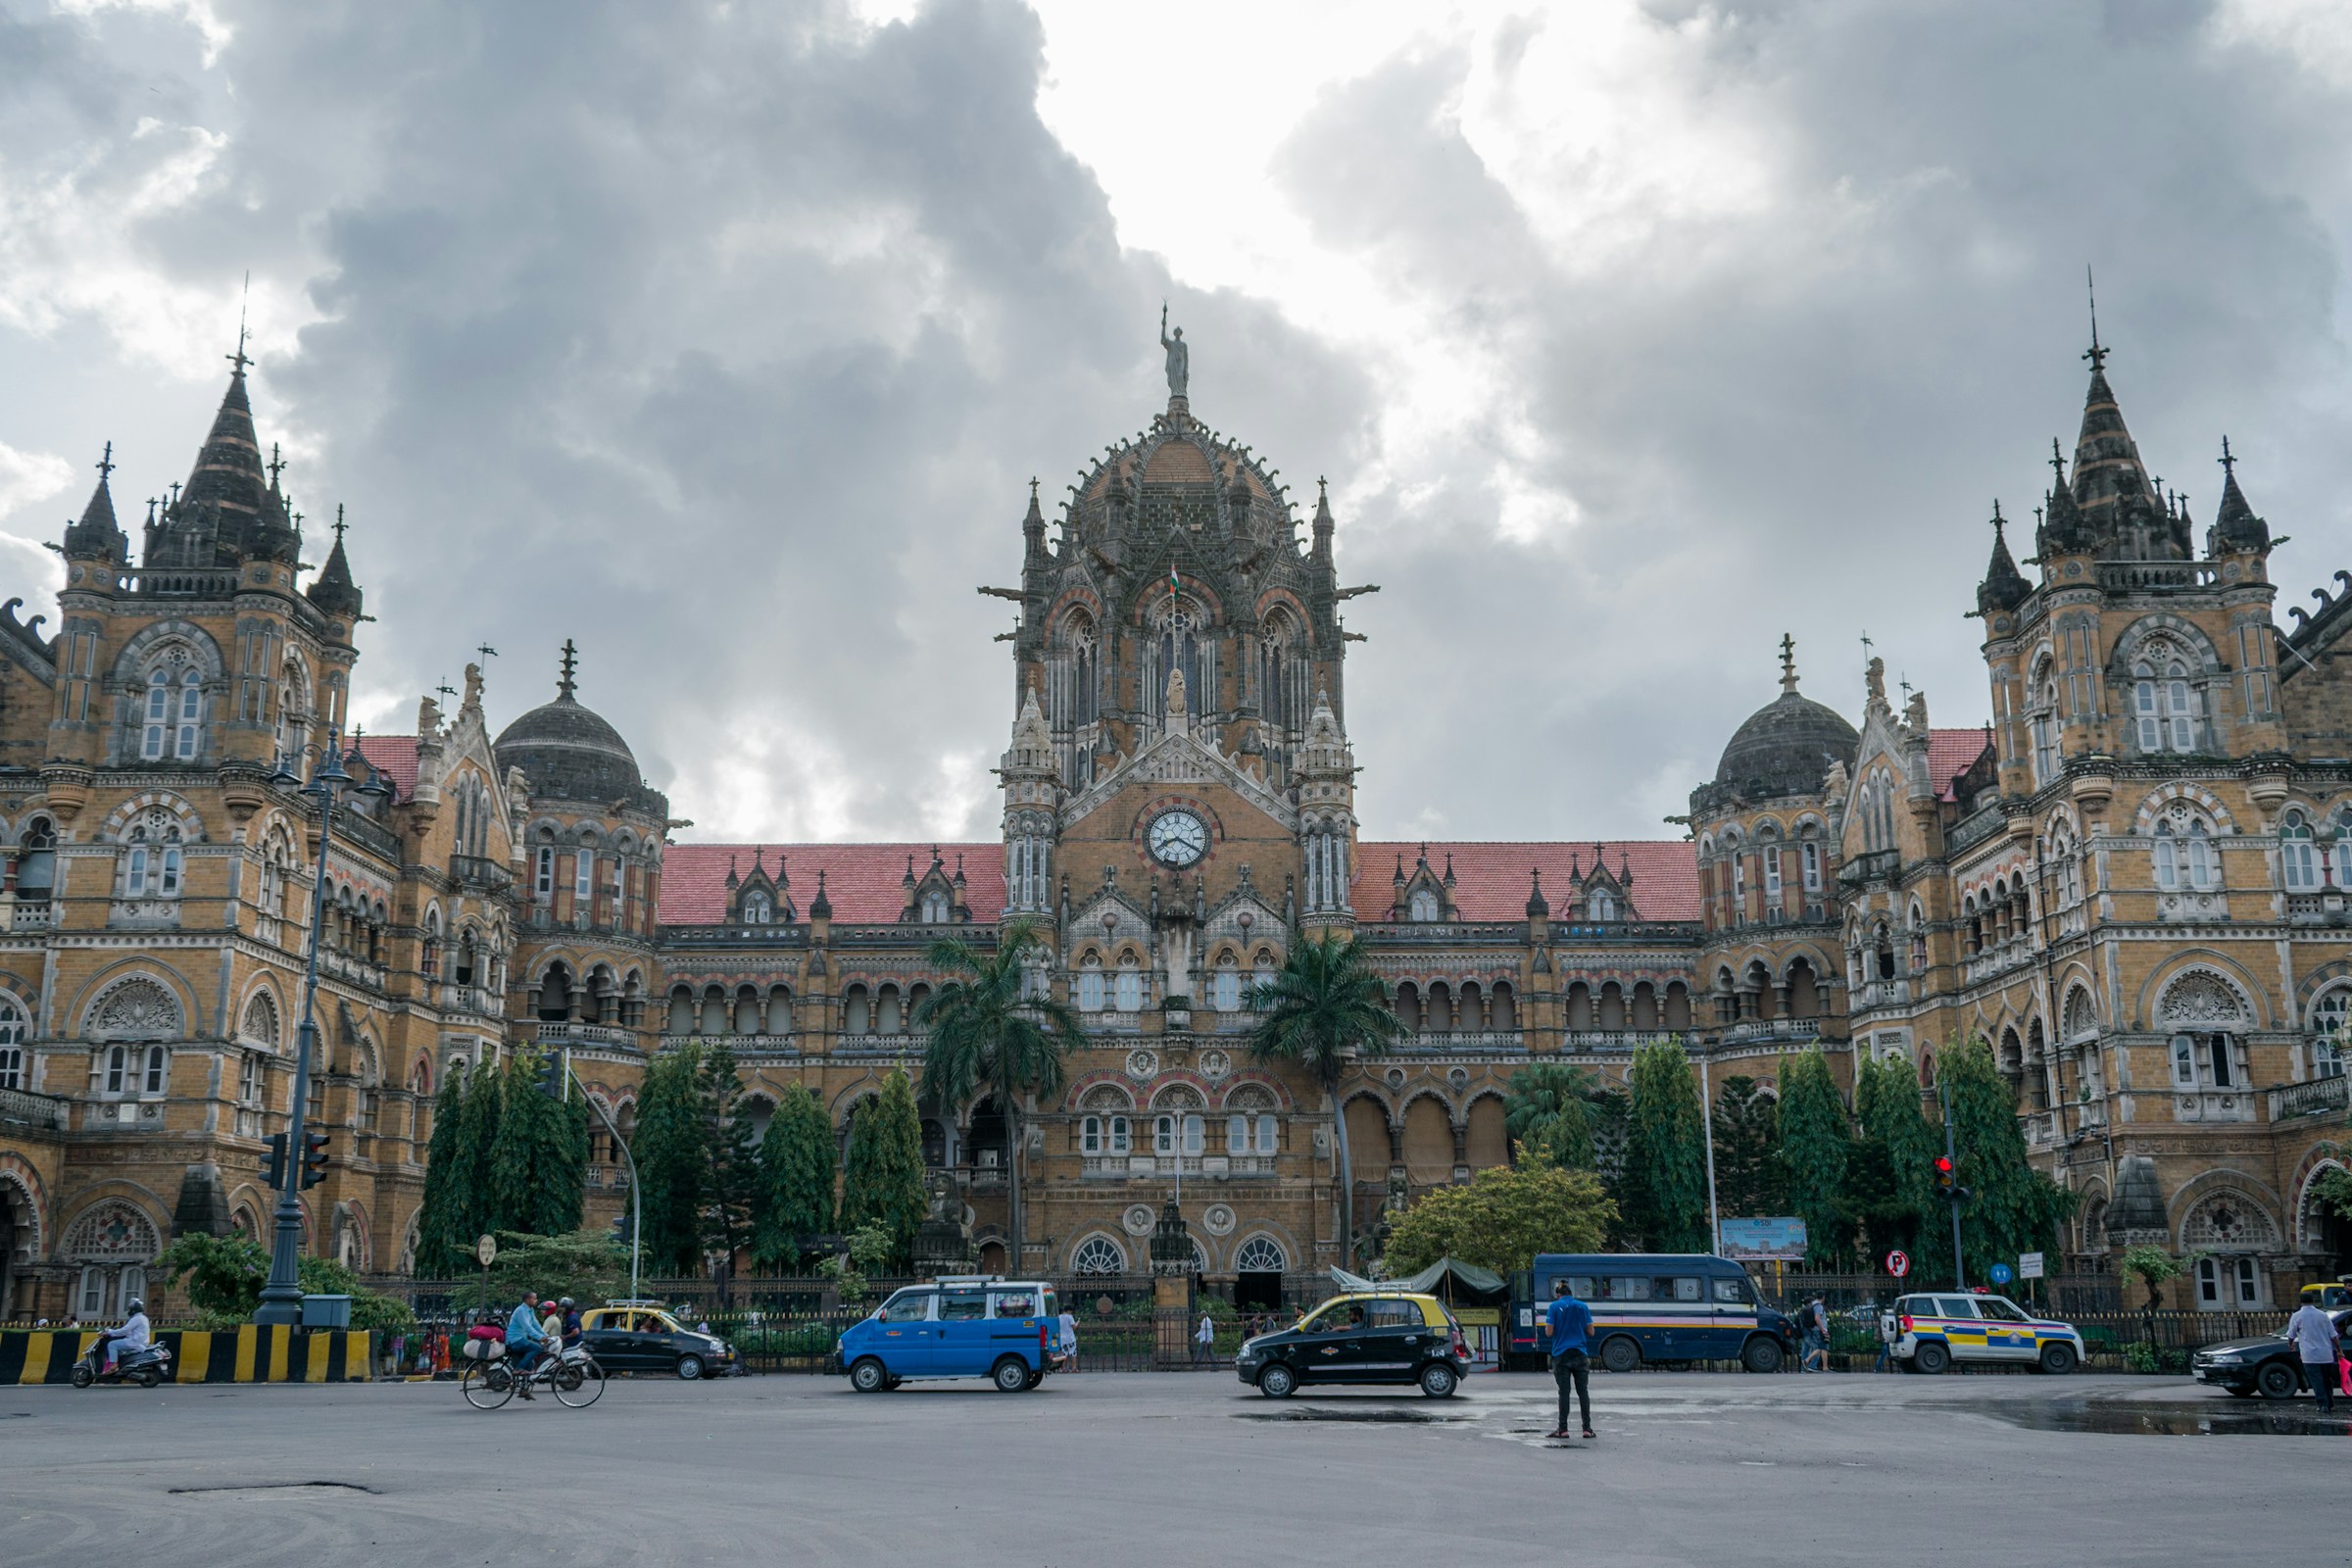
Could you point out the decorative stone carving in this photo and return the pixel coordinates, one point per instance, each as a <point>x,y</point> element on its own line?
<point>1137,1221</point>
<point>136,1008</point>
<point>1143,1064</point>
<point>1214,1064</point>
<point>1217,1220</point>
<point>2200,998</point>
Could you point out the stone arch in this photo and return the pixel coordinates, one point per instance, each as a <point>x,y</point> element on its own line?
<point>24,1195</point>
<point>146,1004</point>
<point>2152,804</point>
<point>183,815</point>
<point>2185,634</point>
<point>2200,995</point>
<point>2310,1226</point>
<point>1427,1126</point>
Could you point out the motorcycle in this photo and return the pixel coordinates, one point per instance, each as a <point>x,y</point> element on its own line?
<point>146,1369</point>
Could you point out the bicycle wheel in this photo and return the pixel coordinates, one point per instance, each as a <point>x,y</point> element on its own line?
<point>579,1382</point>
<point>486,1388</point>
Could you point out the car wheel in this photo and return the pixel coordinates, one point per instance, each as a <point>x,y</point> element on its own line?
<point>869,1376</point>
<point>1931,1358</point>
<point>2057,1360</point>
<point>1761,1355</point>
<point>1277,1381</point>
<point>1011,1374</point>
<point>1620,1354</point>
<point>690,1367</point>
<point>1439,1380</point>
<point>2276,1381</point>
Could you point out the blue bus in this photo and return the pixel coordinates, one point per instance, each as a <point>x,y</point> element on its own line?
<point>1657,1307</point>
<point>974,1327</point>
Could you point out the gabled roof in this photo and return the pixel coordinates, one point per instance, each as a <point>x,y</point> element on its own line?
<point>1951,753</point>
<point>1491,878</point>
<point>394,757</point>
<point>865,883</point>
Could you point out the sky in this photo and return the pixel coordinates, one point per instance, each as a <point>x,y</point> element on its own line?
<point>723,339</point>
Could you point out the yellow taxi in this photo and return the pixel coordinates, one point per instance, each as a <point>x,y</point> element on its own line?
<point>1361,1337</point>
<point>641,1337</point>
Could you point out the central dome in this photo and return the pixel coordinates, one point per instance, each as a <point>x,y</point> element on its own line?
<point>1785,746</point>
<point>569,752</point>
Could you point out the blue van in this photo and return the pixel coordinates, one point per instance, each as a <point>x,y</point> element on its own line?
<point>1658,1307</point>
<point>1005,1330</point>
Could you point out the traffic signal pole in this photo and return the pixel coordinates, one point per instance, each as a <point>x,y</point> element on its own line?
<point>1944,1094</point>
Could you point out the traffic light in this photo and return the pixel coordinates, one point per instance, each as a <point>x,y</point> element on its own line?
<point>621,1232</point>
<point>551,1076</point>
<point>273,1163</point>
<point>1944,1175</point>
<point>313,1158</point>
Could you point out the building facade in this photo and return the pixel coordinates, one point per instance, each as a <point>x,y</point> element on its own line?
<point>2131,882</point>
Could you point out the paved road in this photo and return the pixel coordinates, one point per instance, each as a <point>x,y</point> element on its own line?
<point>1144,1469</point>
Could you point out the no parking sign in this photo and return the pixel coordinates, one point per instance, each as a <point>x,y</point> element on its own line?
<point>1899,1264</point>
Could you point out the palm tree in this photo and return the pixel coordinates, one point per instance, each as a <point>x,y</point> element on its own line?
<point>1322,1010</point>
<point>1549,1109</point>
<point>986,1038</point>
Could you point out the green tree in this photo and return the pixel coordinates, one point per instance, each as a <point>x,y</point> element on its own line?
<point>224,1276</point>
<point>1322,1012</point>
<point>485,1108</point>
<point>987,1037</point>
<point>587,1266</point>
<point>732,1185</point>
<point>1501,1218</point>
<point>1816,1134</point>
<point>2012,1207</point>
<point>1665,1182</point>
<point>1548,1114</point>
<point>444,1244</point>
<point>539,1157</point>
<point>882,1182</point>
<point>1748,1172</point>
<point>672,1163</point>
<point>796,1180</point>
<point>1890,1170</point>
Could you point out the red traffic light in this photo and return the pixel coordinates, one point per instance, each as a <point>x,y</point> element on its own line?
<point>1944,1164</point>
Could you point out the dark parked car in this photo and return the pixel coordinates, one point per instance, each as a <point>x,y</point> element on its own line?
<point>2267,1364</point>
<point>625,1337</point>
<point>1377,1337</point>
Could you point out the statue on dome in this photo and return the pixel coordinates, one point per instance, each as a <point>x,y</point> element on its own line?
<point>1180,358</point>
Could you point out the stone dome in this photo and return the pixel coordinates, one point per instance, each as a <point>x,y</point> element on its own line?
<point>1785,746</point>
<point>569,752</point>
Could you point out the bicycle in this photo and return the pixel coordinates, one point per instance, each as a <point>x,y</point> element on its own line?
<point>572,1376</point>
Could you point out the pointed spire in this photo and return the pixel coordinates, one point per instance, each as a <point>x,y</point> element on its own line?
<point>2004,587</point>
<point>821,908</point>
<point>1538,905</point>
<point>1323,523</point>
<point>733,881</point>
<point>1787,664</point>
<point>568,669</point>
<point>223,503</point>
<point>2111,484</point>
<point>334,592</point>
<point>1448,878</point>
<point>2061,529</point>
<point>1400,878</point>
<point>1625,868</point>
<point>2236,527</point>
<point>97,536</point>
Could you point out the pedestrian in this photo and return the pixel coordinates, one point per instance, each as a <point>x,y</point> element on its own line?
<point>1817,1337</point>
<point>1570,1322</point>
<point>1204,1339</point>
<point>1069,1340</point>
<point>1884,1322</point>
<point>2317,1343</point>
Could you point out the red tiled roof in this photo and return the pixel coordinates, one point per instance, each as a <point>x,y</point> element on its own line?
<point>865,883</point>
<point>394,757</point>
<point>1951,753</point>
<point>1491,879</point>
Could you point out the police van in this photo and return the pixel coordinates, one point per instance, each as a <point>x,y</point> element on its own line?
<point>967,1327</point>
<point>1657,1309</point>
<point>1935,1333</point>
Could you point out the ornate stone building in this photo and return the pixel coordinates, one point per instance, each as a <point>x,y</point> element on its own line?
<point>2131,882</point>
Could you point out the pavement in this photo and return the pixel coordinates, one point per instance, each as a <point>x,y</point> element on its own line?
<point>1172,1468</point>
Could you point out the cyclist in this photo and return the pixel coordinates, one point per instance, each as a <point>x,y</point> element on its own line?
<point>525,1339</point>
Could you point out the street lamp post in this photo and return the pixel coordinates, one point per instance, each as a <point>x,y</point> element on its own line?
<point>282,1298</point>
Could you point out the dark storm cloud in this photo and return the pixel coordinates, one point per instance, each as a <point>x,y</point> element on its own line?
<point>724,339</point>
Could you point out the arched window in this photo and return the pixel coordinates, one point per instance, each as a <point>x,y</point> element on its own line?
<point>151,862</point>
<point>1602,904</point>
<point>294,720</point>
<point>2163,702</point>
<point>1090,984</point>
<point>1129,986</point>
<point>36,863</point>
<point>2184,854</point>
<point>756,911</point>
<point>2330,1041</point>
<point>2043,721</point>
<point>1260,1254</point>
<point>1225,985</point>
<point>2339,852</point>
<point>2298,856</point>
<point>936,909</point>
<point>1423,905</point>
<point>172,726</point>
<point>12,1070</point>
<point>1099,1254</point>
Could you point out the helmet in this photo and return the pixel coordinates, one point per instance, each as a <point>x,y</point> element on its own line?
<point>134,1304</point>
<point>566,1301</point>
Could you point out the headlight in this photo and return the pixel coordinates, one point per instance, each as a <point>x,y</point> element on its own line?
<point>2220,1358</point>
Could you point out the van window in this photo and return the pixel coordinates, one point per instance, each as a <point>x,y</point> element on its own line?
<point>907,1306</point>
<point>1677,1290</point>
<point>1623,1287</point>
<point>1012,1304</point>
<point>1053,1307</point>
<point>1734,1291</point>
<point>961,1305</point>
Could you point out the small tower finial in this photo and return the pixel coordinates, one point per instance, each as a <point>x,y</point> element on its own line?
<point>2228,459</point>
<point>106,461</point>
<point>2096,355</point>
<point>1787,662</point>
<point>238,358</point>
<point>570,663</point>
<point>278,465</point>
<point>340,525</point>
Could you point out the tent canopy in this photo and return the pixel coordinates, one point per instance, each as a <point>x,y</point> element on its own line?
<point>1448,1277</point>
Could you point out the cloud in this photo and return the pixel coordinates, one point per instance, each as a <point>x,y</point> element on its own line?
<point>723,339</point>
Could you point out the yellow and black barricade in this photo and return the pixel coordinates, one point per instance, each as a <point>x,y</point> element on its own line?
<point>276,1353</point>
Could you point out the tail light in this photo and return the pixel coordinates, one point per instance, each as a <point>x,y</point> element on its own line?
<point>1904,1322</point>
<point>1461,1347</point>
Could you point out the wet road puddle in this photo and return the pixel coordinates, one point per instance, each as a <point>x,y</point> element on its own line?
<point>2175,1421</point>
<point>1323,1412</point>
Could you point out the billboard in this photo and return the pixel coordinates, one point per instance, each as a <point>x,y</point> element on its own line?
<point>1762,1241</point>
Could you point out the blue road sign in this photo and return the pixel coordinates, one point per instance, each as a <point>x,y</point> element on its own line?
<point>2002,1274</point>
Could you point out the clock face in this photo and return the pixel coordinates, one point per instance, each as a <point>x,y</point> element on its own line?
<point>1177,838</point>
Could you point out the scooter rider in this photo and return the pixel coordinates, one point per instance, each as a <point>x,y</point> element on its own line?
<point>128,1339</point>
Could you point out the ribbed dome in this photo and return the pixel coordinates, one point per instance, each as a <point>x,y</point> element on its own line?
<point>569,752</point>
<point>1785,746</point>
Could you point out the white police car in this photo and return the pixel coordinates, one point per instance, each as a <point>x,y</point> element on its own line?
<point>1935,1333</point>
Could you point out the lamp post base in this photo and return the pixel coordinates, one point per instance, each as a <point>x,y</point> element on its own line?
<point>281,1310</point>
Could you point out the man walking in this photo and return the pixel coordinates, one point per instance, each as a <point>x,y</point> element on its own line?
<point>2315,1342</point>
<point>1204,1340</point>
<point>1571,1323</point>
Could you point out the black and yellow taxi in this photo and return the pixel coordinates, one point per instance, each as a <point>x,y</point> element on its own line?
<point>643,1337</point>
<point>1393,1336</point>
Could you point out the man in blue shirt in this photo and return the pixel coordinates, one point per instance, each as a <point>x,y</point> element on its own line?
<point>1571,1323</point>
<point>525,1337</point>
